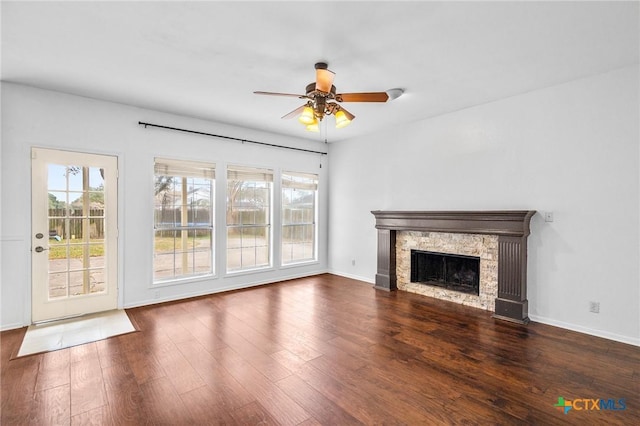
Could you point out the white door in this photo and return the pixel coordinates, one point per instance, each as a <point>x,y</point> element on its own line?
<point>74,233</point>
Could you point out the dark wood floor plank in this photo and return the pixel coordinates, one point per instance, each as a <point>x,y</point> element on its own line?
<point>320,350</point>
<point>280,406</point>
<point>404,405</point>
<point>162,404</point>
<point>10,342</point>
<point>51,378</point>
<point>203,334</point>
<point>19,378</point>
<point>263,323</point>
<point>321,408</point>
<point>55,359</point>
<point>266,342</point>
<point>301,338</point>
<point>310,422</point>
<point>179,371</point>
<point>111,353</point>
<point>177,333</point>
<point>138,342</point>
<point>100,416</point>
<point>144,365</point>
<point>124,393</point>
<point>226,393</point>
<point>252,414</point>
<point>203,409</point>
<point>52,406</point>
<point>253,354</point>
<point>293,320</point>
<point>290,361</point>
<point>54,370</point>
<point>350,398</point>
<point>87,386</point>
<point>86,352</point>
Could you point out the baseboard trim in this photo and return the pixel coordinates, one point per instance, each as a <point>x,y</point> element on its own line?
<point>351,276</point>
<point>13,326</point>
<point>586,330</point>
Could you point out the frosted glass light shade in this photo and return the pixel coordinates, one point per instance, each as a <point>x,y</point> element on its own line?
<point>307,116</point>
<point>341,120</point>
<point>313,127</point>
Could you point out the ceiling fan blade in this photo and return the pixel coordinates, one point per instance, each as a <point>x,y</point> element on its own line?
<point>295,112</point>
<point>324,79</point>
<point>363,97</point>
<point>290,95</point>
<point>348,114</point>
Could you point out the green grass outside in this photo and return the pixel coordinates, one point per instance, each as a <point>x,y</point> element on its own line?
<point>58,249</point>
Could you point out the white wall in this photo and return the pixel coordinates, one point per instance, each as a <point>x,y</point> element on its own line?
<point>33,117</point>
<point>572,149</point>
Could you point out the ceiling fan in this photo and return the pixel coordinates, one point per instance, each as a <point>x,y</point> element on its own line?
<point>323,100</point>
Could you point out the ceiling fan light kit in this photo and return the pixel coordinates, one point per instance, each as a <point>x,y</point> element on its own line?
<point>342,120</point>
<point>322,100</point>
<point>307,117</point>
<point>313,127</point>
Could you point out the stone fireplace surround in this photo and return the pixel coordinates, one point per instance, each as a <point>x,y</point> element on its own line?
<point>510,227</point>
<point>484,247</point>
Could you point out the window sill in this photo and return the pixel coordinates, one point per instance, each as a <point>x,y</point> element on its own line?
<point>299,264</point>
<point>186,280</point>
<point>249,271</point>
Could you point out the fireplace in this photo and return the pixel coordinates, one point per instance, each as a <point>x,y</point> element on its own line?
<point>451,271</point>
<point>498,237</point>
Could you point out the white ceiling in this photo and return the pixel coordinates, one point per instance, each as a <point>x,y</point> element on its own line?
<point>205,59</point>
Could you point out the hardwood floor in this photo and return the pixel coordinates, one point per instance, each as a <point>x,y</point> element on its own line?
<point>322,350</point>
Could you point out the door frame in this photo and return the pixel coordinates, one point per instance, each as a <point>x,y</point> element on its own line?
<point>118,278</point>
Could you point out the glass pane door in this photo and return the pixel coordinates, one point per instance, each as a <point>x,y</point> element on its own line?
<point>74,266</point>
<point>76,230</point>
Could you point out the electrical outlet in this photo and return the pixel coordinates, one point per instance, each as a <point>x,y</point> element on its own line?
<point>594,307</point>
<point>353,262</point>
<point>156,294</point>
<point>548,217</point>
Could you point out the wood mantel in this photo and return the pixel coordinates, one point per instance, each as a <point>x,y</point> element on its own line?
<point>511,227</point>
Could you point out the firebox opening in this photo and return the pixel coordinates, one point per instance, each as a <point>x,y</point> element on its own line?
<point>450,271</point>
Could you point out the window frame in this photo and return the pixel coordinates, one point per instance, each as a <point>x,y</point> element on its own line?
<point>252,175</point>
<point>182,170</point>
<point>312,184</point>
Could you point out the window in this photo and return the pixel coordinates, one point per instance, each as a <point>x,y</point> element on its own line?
<point>299,192</point>
<point>249,193</point>
<point>184,219</point>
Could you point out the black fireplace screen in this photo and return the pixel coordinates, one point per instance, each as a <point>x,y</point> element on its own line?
<point>451,271</point>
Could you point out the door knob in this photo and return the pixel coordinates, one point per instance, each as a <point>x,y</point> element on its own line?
<point>40,249</point>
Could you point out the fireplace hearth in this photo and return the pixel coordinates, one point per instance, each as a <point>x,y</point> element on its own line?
<point>450,271</point>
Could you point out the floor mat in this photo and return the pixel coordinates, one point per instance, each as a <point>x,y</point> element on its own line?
<point>62,334</point>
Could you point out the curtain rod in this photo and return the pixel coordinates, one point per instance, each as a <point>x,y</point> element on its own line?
<point>141,123</point>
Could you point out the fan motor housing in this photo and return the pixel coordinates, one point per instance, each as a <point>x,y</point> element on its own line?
<point>311,90</point>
